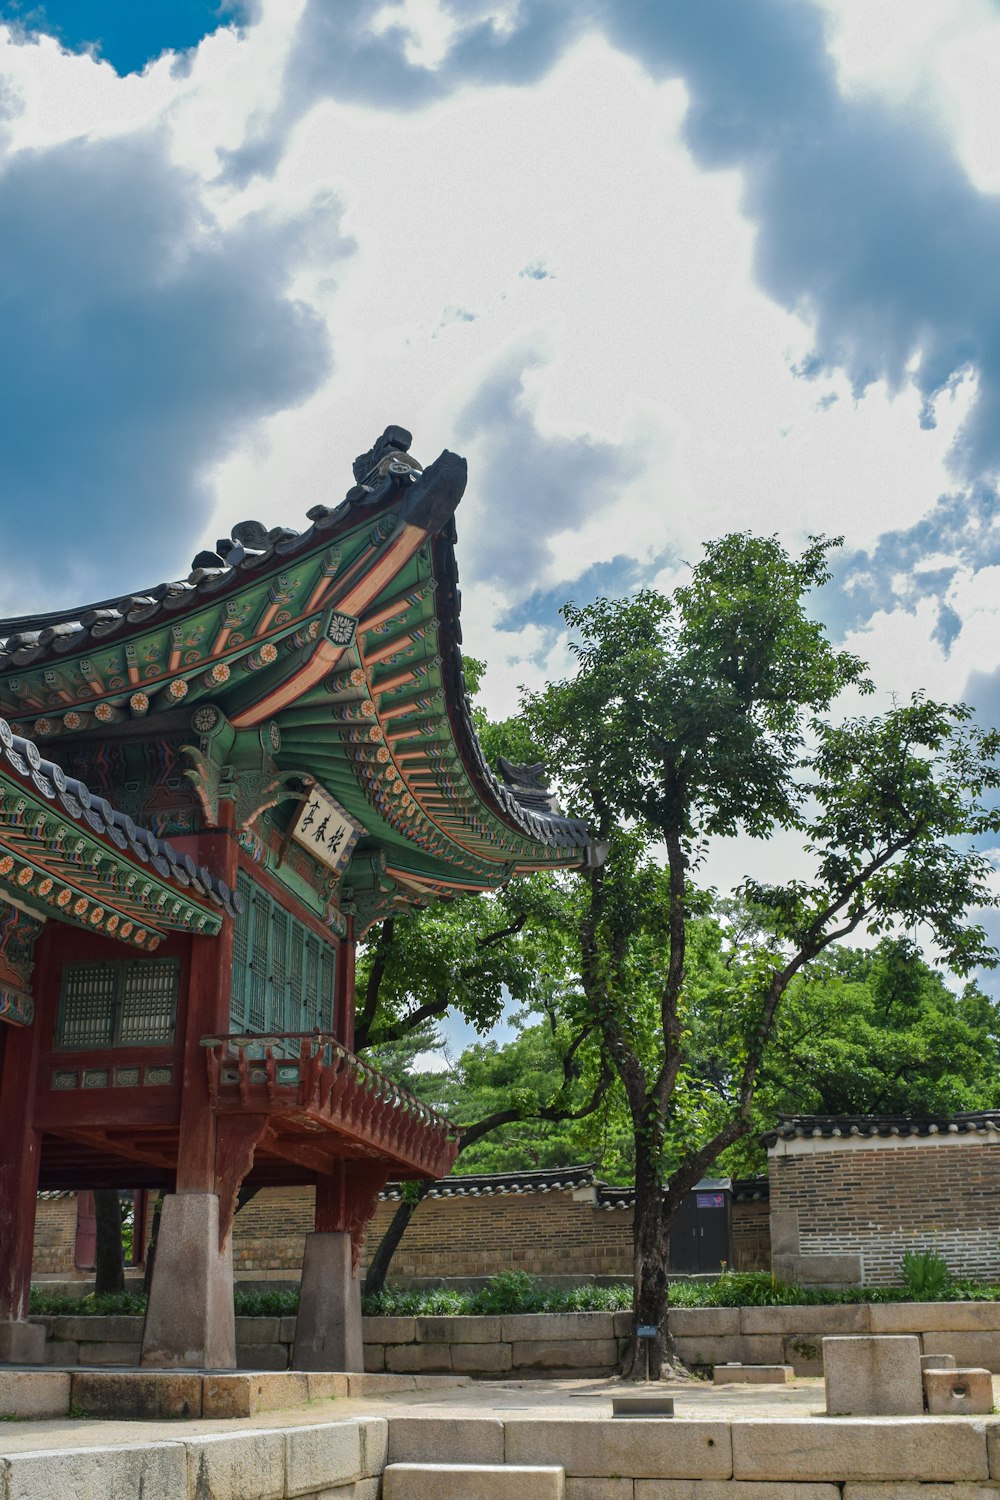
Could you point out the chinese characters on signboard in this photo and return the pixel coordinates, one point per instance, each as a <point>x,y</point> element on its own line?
<point>326,830</point>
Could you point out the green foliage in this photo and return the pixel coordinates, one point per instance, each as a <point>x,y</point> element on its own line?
<point>279,1303</point>
<point>131,1304</point>
<point>926,1275</point>
<point>504,1294</point>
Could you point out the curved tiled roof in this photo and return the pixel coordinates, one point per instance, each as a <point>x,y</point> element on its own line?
<point>499,826</point>
<point>853,1127</point>
<point>21,761</point>
<point>504,1184</point>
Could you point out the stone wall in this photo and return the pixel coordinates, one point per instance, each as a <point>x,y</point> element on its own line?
<point>846,1210</point>
<point>551,1344</point>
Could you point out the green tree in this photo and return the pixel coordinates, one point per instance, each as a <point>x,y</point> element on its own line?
<point>473,954</point>
<point>707,714</point>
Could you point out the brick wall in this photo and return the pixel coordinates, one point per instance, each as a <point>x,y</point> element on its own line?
<point>853,1210</point>
<point>542,1233</point>
<point>55,1237</point>
<point>545,1234</point>
<point>751,1232</point>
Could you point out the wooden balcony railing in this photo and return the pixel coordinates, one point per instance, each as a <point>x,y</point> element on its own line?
<point>332,1085</point>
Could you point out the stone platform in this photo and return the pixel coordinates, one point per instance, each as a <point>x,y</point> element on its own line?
<point>734,1443</point>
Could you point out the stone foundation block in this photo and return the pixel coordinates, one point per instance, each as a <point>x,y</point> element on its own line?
<point>99,1330</point>
<point>244,1395</point>
<point>66,1353</point>
<point>941,1317</point>
<point>154,1395</point>
<point>409,1358</point>
<point>319,1457</point>
<point>852,1448</point>
<point>262,1356</point>
<point>481,1359</point>
<point>731,1489</point>
<point>725,1349</point>
<point>374,1436</point>
<point>464,1440</point>
<point>804,1352</point>
<point>867,1376</point>
<point>234,1466</point>
<point>547,1327</point>
<point>971,1350</point>
<point>286,1329</point>
<point>325,1385</point>
<point>190,1322</point>
<point>328,1333</point>
<point>109,1354</point>
<point>915,1491</point>
<point>34,1393</point>
<point>937,1362</point>
<point>752,1374</point>
<point>469,1330</point>
<point>958,1392</point>
<point>374,1357</point>
<point>156,1471</point>
<point>642,1447</point>
<point>847,1318</point>
<point>472,1482</point>
<point>21,1343</point>
<point>704,1322</point>
<point>258,1331</point>
<point>564,1354</point>
<point>380,1385</point>
<point>599,1489</point>
<point>389,1330</point>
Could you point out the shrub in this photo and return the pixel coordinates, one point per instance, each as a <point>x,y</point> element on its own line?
<point>925,1275</point>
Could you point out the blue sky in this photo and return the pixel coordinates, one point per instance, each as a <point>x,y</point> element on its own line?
<point>660,269</point>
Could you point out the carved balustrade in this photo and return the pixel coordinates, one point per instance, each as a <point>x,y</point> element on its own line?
<point>328,1083</point>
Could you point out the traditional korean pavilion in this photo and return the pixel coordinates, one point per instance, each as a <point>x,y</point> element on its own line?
<point>209,791</point>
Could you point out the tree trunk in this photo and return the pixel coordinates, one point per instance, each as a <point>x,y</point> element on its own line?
<point>154,1234</point>
<point>109,1277</point>
<point>650,1280</point>
<point>389,1243</point>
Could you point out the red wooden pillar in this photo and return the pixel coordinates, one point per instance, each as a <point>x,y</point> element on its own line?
<point>345,988</point>
<point>189,1317</point>
<point>21,1342</point>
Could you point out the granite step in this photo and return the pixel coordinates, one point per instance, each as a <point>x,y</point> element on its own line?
<point>473,1482</point>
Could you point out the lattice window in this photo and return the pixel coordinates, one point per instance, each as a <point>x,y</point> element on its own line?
<point>121,1004</point>
<point>310,1008</point>
<point>148,1002</point>
<point>279,983</point>
<point>284,976</point>
<point>241,950</point>
<point>259,968</point>
<point>328,987</point>
<point>87,1006</point>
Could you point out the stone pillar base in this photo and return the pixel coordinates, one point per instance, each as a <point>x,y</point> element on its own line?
<point>328,1327</point>
<point>190,1324</point>
<point>21,1343</point>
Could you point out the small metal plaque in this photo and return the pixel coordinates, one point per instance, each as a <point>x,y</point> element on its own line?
<point>647,1331</point>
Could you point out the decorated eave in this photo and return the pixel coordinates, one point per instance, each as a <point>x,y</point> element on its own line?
<point>335,652</point>
<point>67,853</point>
<point>886,1127</point>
